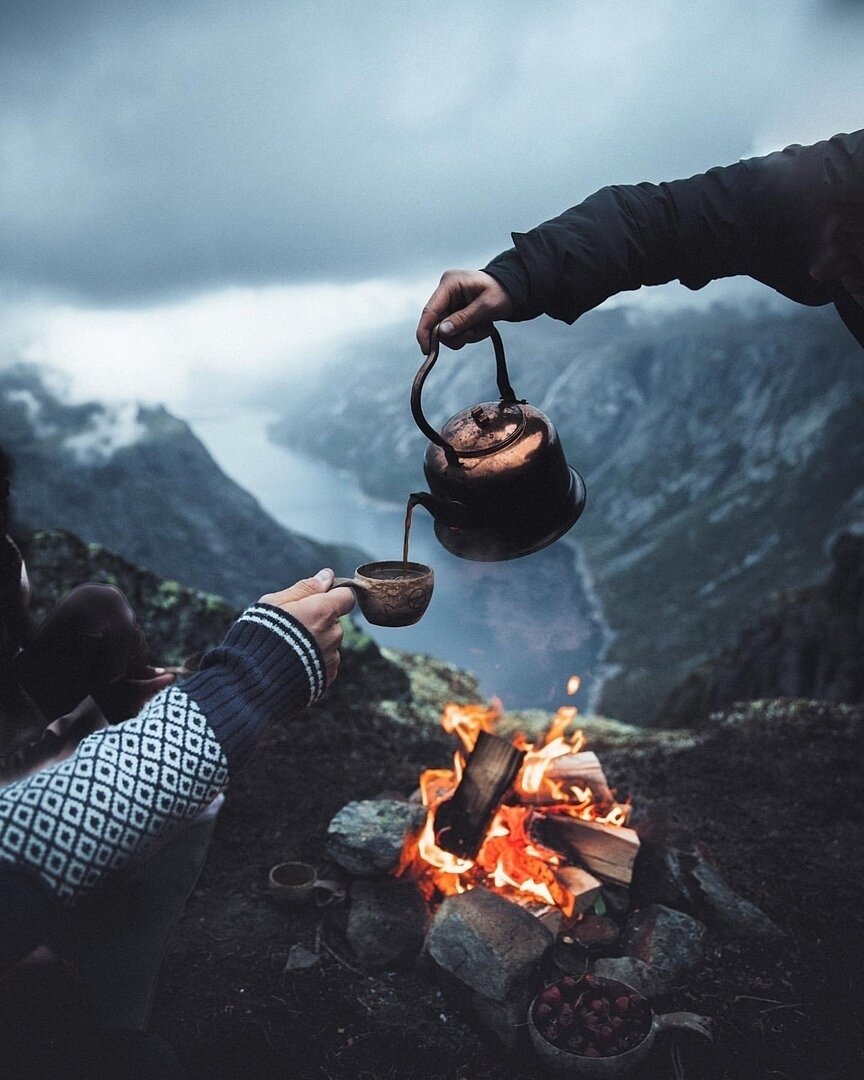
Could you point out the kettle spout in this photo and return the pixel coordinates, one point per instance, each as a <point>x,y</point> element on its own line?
<point>447,513</point>
<point>427,500</point>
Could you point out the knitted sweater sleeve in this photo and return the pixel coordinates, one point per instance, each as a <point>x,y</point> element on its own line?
<point>128,786</point>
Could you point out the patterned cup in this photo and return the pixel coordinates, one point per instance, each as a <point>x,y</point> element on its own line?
<point>391,593</point>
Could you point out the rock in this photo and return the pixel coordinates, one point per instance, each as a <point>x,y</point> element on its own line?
<point>616,900</point>
<point>300,958</point>
<point>650,981</point>
<point>729,912</point>
<point>387,923</point>
<point>178,622</point>
<point>685,880</point>
<point>663,938</point>
<point>487,943</point>
<point>505,1019</point>
<point>365,838</point>
<point>662,876</point>
<point>596,933</point>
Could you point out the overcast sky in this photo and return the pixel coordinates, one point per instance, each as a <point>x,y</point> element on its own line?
<point>198,185</point>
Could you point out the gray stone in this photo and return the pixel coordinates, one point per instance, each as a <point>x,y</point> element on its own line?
<point>686,881</point>
<point>487,942</point>
<point>366,838</point>
<point>729,912</point>
<point>650,981</point>
<point>387,923</point>
<point>505,1019</point>
<point>301,959</point>
<point>664,938</point>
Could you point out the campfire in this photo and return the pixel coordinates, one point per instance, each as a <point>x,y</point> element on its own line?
<point>531,821</point>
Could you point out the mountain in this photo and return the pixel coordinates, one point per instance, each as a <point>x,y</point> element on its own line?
<point>135,479</point>
<point>722,451</point>
<point>807,643</point>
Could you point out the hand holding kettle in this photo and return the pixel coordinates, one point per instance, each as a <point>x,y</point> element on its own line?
<point>499,486</point>
<point>468,302</point>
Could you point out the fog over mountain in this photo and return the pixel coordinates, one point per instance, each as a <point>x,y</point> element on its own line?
<point>136,480</point>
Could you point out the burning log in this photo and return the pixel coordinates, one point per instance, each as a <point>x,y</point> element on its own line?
<point>582,886</point>
<point>578,777</point>
<point>462,821</point>
<point>606,850</point>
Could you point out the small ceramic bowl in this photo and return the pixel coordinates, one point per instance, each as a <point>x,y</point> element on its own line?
<point>554,1029</point>
<point>296,884</point>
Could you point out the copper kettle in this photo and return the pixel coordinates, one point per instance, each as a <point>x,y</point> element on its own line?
<point>499,486</point>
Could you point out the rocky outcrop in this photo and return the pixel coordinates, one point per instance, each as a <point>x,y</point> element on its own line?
<point>807,644</point>
<point>180,623</point>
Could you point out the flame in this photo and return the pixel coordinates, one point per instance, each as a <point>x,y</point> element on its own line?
<point>467,721</point>
<point>510,861</point>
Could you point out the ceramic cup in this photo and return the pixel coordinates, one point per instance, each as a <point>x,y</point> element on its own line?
<point>562,1063</point>
<point>296,884</point>
<point>391,593</point>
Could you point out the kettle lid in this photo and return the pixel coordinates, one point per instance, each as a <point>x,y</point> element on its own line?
<point>484,428</point>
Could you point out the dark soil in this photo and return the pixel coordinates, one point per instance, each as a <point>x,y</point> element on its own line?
<point>773,795</point>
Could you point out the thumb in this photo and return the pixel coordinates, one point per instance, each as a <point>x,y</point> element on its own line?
<point>320,583</point>
<point>468,324</point>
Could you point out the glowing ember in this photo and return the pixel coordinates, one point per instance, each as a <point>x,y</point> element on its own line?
<point>557,778</point>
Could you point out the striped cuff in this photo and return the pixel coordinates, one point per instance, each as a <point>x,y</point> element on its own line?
<point>274,669</point>
<point>298,639</point>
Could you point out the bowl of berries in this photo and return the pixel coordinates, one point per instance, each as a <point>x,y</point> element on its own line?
<point>593,1028</point>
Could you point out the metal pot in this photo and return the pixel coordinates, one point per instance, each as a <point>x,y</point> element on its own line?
<point>499,486</point>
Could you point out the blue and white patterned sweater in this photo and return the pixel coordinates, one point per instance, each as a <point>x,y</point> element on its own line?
<point>127,787</point>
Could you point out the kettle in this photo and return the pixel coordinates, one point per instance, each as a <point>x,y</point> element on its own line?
<point>499,486</point>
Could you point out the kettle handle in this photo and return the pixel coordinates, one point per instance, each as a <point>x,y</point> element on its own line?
<point>508,394</point>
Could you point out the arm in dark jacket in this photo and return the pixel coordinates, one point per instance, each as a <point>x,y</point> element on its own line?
<point>762,217</point>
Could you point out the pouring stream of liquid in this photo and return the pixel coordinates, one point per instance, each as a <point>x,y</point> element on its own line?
<point>409,511</point>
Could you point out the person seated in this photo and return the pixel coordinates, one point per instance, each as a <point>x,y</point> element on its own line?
<point>129,788</point>
<point>85,665</point>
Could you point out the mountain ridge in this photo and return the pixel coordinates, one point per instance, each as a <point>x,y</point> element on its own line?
<point>135,479</point>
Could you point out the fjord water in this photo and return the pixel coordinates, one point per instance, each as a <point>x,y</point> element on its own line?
<point>522,627</point>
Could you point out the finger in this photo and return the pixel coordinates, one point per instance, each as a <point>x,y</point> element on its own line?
<point>471,322</point>
<point>343,600</point>
<point>331,669</point>
<point>320,583</point>
<point>447,296</point>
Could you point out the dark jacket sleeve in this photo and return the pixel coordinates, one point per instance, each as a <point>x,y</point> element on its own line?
<point>761,217</point>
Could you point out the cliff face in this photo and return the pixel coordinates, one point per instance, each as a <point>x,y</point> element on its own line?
<point>807,644</point>
<point>138,481</point>
<point>722,451</point>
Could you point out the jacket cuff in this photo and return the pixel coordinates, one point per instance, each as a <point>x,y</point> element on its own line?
<point>510,272</point>
<point>275,669</point>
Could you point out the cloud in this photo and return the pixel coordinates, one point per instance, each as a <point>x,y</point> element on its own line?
<point>159,150</point>
<point>222,345</point>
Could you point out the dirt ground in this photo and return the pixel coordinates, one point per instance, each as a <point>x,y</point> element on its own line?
<point>773,795</point>
<point>773,792</point>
